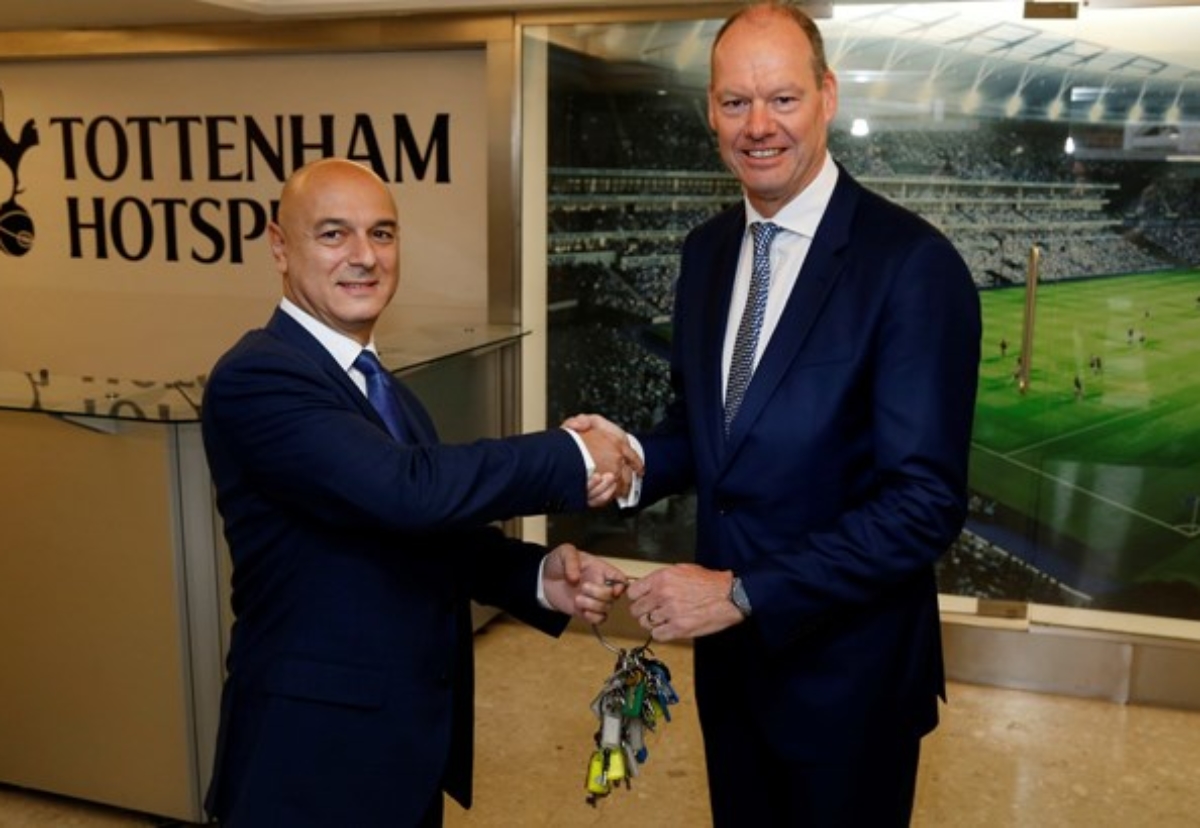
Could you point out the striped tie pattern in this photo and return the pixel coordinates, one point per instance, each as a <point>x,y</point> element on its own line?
<point>741,365</point>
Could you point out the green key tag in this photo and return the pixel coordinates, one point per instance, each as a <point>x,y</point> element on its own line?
<point>635,696</point>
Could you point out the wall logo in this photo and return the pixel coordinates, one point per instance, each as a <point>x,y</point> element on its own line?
<point>16,227</point>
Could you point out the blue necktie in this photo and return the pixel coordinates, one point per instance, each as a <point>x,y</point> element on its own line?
<point>741,364</point>
<point>381,394</point>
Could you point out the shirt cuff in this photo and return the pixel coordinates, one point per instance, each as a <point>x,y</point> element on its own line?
<point>541,588</point>
<point>635,487</point>
<point>588,462</point>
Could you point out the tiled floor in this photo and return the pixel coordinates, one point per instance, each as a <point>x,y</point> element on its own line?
<point>1001,757</point>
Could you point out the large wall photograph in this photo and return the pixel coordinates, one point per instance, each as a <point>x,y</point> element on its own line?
<point>1062,157</point>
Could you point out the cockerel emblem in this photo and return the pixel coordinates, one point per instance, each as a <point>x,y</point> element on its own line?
<point>16,227</point>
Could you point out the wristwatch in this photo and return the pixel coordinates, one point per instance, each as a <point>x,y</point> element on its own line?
<point>737,594</point>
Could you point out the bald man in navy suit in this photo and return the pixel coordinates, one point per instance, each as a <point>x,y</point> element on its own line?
<point>357,544</point>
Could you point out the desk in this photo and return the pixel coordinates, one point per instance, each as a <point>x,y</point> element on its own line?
<point>114,576</point>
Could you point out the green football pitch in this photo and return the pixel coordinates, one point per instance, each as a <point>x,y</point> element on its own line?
<point>1095,465</point>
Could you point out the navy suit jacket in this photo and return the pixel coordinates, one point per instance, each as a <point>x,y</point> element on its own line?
<point>842,481</point>
<point>348,699</point>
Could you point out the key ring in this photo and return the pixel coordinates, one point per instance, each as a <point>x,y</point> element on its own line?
<point>608,645</point>
<point>613,648</point>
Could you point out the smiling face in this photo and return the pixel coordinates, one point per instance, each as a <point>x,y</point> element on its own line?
<point>336,245</point>
<point>770,106</point>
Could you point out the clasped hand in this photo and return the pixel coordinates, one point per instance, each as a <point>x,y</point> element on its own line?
<point>580,584</point>
<point>617,462</point>
<point>675,602</point>
<point>683,601</point>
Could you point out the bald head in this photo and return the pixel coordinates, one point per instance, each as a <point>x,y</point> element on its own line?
<point>320,176</point>
<point>336,244</point>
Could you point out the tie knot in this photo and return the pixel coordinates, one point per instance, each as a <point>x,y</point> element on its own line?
<point>764,233</point>
<point>369,364</point>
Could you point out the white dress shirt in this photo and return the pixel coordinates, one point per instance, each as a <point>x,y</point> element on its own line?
<point>342,348</point>
<point>798,219</point>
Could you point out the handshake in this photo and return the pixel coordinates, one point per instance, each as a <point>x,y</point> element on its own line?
<point>618,462</point>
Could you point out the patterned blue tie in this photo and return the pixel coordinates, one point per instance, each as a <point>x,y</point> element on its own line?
<point>381,394</point>
<point>741,365</point>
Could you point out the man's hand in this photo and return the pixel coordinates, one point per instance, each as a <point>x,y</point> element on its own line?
<point>601,490</point>
<point>683,601</point>
<point>616,460</point>
<point>580,584</point>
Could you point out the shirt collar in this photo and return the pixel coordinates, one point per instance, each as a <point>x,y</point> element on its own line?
<point>803,213</point>
<point>341,347</point>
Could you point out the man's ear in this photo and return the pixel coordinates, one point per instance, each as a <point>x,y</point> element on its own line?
<point>278,246</point>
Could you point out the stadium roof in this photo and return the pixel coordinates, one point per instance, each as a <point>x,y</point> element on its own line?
<point>951,60</point>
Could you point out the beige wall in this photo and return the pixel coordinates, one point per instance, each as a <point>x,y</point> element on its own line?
<point>181,212</point>
<point>94,698</point>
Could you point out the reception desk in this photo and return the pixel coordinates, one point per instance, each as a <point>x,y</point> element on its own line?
<point>113,573</point>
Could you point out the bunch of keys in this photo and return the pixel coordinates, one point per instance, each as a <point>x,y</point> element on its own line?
<point>634,699</point>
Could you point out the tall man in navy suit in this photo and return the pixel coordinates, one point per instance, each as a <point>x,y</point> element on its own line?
<point>349,697</point>
<point>825,498</point>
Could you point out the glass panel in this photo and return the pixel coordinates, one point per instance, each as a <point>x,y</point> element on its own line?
<point>434,337</point>
<point>113,398</point>
<point>1065,149</point>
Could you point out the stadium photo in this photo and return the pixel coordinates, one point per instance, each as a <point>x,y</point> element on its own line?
<point>1064,166</point>
<point>1084,461</point>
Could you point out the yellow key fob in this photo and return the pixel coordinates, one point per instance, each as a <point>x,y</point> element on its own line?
<point>616,765</point>
<point>597,781</point>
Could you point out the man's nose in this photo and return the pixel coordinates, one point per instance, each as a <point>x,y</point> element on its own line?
<point>760,121</point>
<point>363,251</point>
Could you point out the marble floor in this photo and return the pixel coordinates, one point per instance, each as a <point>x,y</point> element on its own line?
<point>1000,758</point>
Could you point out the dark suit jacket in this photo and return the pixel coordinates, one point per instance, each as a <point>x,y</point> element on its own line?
<point>843,479</point>
<point>349,694</point>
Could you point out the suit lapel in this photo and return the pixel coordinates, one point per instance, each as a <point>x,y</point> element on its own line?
<point>293,333</point>
<point>818,276</point>
<point>718,293</point>
<point>416,422</point>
